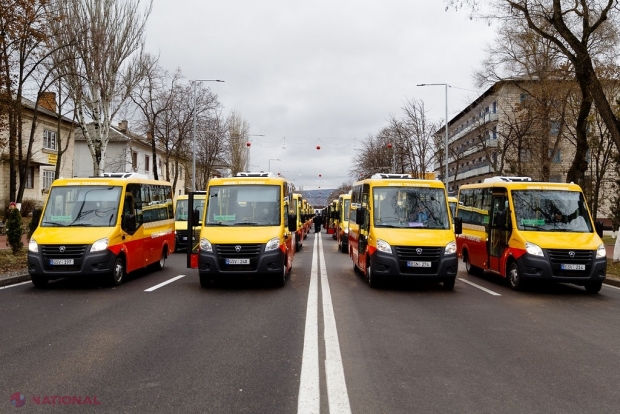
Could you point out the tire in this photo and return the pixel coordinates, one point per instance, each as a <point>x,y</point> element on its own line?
<point>514,276</point>
<point>118,272</point>
<point>343,248</point>
<point>593,287</point>
<point>280,280</point>
<point>205,281</point>
<point>448,284</point>
<point>162,260</point>
<point>297,245</point>
<point>471,269</point>
<point>39,281</point>
<point>373,281</point>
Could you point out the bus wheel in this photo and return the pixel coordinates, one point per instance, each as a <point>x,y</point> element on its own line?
<point>514,276</point>
<point>372,279</point>
<point>471,269</point>
<point>297,244</point>
<point>118,272</point>
<point>39,281</point>
<point>280,280</point>
<point>448,284</point>
<point>591,287</point>
<point>162,260</point>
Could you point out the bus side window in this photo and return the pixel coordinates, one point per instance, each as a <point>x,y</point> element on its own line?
<point>128,222</point>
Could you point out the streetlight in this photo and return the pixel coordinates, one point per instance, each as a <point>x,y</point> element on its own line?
<point>446,85</point>
<point>193,83</point>
<point>269,165</point>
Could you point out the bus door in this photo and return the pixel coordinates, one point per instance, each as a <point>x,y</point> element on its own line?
<point>132,229</point>
<point>499,229</point>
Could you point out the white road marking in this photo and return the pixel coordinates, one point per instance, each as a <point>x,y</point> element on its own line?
<point>164,283</point>
<point>309,400</point>
<point>16,284</point>
<point>611,286</point>
<point>337,394</point>
<point>480,287</point>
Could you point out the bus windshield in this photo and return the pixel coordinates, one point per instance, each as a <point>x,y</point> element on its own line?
<point>405,207</point>
<point>244,205</point>
<point>181,210</point>
<point>347,205</point>
<point>551,210</point>
<point>82,206</point>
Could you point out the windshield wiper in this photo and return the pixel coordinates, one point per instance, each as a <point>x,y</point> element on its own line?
<point>54,223</point>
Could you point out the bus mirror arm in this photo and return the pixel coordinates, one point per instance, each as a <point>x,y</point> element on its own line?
<point>359,217</point>
<point>599,228</point>
<point>458,225</point>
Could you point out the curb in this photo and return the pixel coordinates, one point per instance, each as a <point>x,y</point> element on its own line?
<point>612,282</point>
<point>14,279</point>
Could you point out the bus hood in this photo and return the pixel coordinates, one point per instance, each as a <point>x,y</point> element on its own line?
<point>561,240</point>
<point>414,236</point>
<point>241,235</point>
<point>71,235</point>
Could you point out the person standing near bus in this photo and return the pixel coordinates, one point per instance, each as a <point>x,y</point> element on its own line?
<point>317,223</point>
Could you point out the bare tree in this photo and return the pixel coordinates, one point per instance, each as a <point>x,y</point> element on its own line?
<point>583,32</point>
<point>238,138</point>
<point>103,63</point>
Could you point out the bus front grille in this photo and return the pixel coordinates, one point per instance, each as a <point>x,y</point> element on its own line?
<point>238,251</point>
<point>51,252</point>
<point>559,257</point>
<point>430,255</point>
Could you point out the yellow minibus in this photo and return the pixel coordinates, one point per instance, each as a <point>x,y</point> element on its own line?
<point>342,232</point>
<point>104,226</point>
<point>528,231</point>
<point>181,216</point>
<point>300,232</point>
<point>400,227</point>
<point>248,228</point>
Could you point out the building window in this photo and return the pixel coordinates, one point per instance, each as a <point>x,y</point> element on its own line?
<point>147,163</point>
<point>495,107</point>
<point>555,128</point>
<point>30,177</point>
<point>134,160</point>
<point>49,139</point>
<point>48,178</point>
<point>557,158</point>
<point>494,136</point>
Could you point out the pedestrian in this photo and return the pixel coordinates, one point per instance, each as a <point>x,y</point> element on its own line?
<point>317,223</point>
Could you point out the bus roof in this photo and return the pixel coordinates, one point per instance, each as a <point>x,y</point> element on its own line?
<point>524,185</point>
<point>105,181</point>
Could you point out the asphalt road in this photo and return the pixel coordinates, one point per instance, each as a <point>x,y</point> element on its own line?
<point>325,342</point>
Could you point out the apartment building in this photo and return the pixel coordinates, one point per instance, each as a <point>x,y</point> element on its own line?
<point>129,152</point>
<point>485,140</point>
<point>51,132</point>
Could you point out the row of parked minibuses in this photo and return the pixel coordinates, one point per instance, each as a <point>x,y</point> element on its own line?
<point>391,225</point>
<point>400,227</point>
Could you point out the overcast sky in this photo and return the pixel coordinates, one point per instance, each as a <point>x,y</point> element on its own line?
<point>320,73</point>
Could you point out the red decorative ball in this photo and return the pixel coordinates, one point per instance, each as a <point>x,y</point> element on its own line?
<point>320,175</point>
<point>248,144</point>
<point>389,145</point>
<point>318,147</point>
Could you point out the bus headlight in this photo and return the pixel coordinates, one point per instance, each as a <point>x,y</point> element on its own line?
<point>272,244</point>
<point>384,246</point>
<point>99,245</point>
<point>450,248</point>
<point>533,249</point>
<point>33,246</point>
<point>205,246</point>
<point>346,231</point>
<point>601,251</point>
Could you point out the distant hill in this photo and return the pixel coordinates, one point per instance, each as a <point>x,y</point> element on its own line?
<point>319,198</point>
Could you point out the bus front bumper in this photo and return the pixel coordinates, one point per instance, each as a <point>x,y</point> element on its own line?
<point>540,268</point>
<point>388,265</point>
<point>266,264</point>
<point>89,264</point>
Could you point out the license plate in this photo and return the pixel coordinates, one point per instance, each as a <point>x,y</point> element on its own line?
<point>418,264</point>
<point>60,262</point>
<point>572,266</point>
<point>237,261</point>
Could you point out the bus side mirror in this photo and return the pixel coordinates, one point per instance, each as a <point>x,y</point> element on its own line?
<point>599,228</point>
<point>292,223</point>
<point>458,225</point>
<point>128,222</point>
<point>359,216</point>
<point>196,219</point>
<point>36,217</point>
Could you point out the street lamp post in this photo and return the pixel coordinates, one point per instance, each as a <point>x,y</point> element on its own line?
<point>269,165</point>
<point>447,160</point>
<point>247,153</point>
<point>193,84</point>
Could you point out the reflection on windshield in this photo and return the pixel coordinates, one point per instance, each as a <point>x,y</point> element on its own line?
<point>240,205</point>
<point>82,206</point>
<point>551,210</point>
<point>410,207</point>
